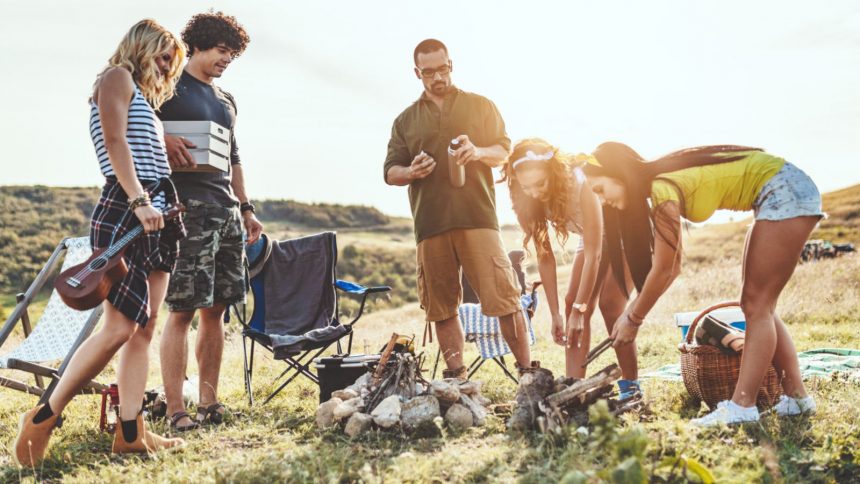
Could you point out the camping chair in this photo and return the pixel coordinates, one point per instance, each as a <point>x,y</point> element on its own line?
<point>296,313</point>
<point>58,334</point>
<point>485,332</point>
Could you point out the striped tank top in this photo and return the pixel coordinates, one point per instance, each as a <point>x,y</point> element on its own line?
<point>145,136</point>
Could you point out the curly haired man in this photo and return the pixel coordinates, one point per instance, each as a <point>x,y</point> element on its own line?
<point>209,273</point>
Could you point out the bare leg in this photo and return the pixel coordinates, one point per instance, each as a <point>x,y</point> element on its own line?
<point>771,255</point>
<point>209,351</point>
<point>612,305</point>
<point>786,363</point>
<point>92,357</point>
<point>576,353</point>
<point>452,342</point>
<point>516,337</point>
<point>174,360</point>
<point>133,367</point>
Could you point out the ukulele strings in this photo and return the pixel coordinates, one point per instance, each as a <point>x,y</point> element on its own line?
<point>112,250</point>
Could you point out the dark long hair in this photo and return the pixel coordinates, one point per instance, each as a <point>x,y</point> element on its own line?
<point>533,215</point>
<point>630,232</point>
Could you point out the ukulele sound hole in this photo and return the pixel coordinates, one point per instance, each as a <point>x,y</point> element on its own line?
<point>97,264</point>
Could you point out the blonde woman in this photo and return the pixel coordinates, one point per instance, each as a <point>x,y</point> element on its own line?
<point>129,144</point>
<point>547,188</point>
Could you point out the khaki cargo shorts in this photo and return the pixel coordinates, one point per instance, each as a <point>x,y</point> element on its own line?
<point>488,269</point>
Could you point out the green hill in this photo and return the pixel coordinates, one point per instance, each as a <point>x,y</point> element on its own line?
<point>33,219</point>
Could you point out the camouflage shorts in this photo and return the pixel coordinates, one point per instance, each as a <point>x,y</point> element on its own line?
<point>210,268</point>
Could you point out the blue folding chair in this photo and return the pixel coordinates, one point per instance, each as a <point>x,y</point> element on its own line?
<point>295,314</point>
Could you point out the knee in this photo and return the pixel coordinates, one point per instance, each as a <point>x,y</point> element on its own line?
<point>181,319</point>
<point>755,305</point>
<point>610,310</point>
<point>118,335</point>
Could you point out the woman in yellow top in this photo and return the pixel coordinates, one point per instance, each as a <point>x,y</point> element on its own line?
<point>693,184</point>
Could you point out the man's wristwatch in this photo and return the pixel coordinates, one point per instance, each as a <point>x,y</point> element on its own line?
<point>580,307</point>
<point>247,207</point>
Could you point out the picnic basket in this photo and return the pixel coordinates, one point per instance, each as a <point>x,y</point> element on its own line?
<point>711,375</point>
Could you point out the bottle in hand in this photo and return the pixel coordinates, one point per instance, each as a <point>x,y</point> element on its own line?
<point>456,172</point>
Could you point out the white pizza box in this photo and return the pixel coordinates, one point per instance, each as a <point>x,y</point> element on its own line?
<point>185,128</point>
<point>207,160</point>
<point>207,142</point>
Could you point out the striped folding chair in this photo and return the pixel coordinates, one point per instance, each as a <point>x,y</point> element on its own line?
<point>58,333</point>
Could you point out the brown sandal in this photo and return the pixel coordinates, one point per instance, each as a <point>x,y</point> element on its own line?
<point>177,417</point>
<point>211,414</point>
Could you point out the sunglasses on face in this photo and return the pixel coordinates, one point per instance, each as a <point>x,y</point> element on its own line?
<point>429,73</point>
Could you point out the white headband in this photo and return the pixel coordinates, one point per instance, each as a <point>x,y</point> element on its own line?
<point>531,156</point>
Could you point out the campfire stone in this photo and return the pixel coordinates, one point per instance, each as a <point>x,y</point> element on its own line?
<point>358,424</point>
<point>325,413</point>
<point>360,384</point>
<point>345,394</point>
<point>478,412</point>
<point>445,391</point>
<point>387,413</point>
<point>419,410</point>
<point>458,416</point>
<point>471,387</point>
<point>347,408</point>
<point>482,400</point>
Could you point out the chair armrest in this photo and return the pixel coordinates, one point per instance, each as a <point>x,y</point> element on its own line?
<point>353,288</point>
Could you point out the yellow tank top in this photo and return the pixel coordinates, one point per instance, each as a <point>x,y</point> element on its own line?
<point>729,186</point>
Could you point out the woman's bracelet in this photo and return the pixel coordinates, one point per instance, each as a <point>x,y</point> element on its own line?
<point>631,316</point>
<point>141,200</point>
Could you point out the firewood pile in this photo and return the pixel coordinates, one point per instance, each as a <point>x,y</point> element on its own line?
<point>548,405</point>
<point>396,396</point>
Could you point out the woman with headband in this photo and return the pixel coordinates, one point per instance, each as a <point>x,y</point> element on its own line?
<point>693,184</point>
<point>548,187</point>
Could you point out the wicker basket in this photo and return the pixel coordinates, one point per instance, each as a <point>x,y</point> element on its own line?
<point>711,375</point>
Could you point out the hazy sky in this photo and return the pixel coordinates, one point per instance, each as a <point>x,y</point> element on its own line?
<point>321,82</point>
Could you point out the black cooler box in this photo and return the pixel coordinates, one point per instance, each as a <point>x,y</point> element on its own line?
<point>340,371</point>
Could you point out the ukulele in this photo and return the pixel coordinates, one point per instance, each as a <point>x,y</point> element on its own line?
<point>87,284</point>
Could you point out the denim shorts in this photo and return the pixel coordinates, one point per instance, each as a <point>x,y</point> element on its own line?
<point>790,193</point>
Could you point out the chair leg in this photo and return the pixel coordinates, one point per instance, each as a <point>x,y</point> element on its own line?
<point>500,360</point>
<point>436,363</point>
<point>476,365</point>
<point>248,367</point>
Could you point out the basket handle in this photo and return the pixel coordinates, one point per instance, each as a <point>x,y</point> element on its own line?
<point>692,331</point>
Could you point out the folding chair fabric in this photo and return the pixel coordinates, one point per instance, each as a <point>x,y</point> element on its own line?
<point>485,331</point>
<point>299,285</point>
<point>59,326</point>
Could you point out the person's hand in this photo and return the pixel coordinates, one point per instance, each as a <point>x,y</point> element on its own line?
<point>252,226</point>
<point>558,329</point>
<point>624,332</point>
<point>467,151</point>
<point>178,155</point>
<point>422,165</point>
<point>150,218</point>
<point>574,329</point>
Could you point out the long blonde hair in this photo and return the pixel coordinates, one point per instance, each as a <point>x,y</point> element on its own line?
<point>137,52</point>
<point>533,215</point>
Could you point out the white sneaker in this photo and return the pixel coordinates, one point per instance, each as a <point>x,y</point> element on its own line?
<point>728,413</point>
<point>787,406</point>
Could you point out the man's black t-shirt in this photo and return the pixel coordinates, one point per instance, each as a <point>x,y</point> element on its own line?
<point>197,101</point>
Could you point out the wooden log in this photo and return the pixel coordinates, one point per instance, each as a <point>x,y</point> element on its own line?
<point>383,361</point>
<point>604,377</point>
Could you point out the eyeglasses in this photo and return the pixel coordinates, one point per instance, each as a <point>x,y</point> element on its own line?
<point>429,73</point>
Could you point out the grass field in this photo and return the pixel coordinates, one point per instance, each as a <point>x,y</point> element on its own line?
<point>280,443</point>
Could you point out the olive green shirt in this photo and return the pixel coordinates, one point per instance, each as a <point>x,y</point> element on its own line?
<point>438,207</point>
